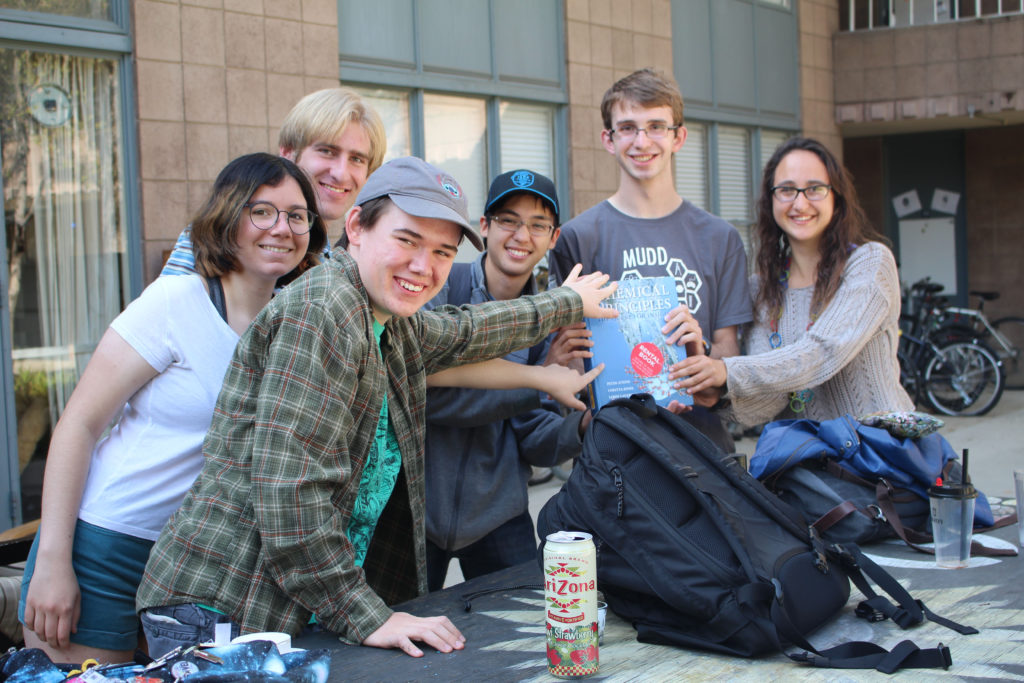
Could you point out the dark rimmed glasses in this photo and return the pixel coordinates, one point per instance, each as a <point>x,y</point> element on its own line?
<point>653,131</point>
<point>788,193</point>
<point>265,215</point>
<point>512,224</point>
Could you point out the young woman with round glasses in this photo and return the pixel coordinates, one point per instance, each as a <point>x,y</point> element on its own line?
<point>156,374</point>
<point>826,298</point>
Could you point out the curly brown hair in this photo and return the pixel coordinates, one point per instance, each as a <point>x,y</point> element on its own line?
<point>215,226</point>
<point>849,228</point>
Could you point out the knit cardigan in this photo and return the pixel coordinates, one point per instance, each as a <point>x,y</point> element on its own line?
<point>847,357</point>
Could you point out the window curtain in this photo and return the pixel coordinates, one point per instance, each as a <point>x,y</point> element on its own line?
<point>73,222</point>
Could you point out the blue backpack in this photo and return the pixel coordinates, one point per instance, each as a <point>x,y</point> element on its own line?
<point>857,483</point>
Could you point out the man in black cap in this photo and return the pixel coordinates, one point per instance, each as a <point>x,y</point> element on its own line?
<point>310,501</point>
<point>481,443</point>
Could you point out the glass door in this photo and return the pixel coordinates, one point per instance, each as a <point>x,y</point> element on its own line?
<point>65,255</point>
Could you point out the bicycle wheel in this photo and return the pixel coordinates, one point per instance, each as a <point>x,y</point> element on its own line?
<point>1012,329</point>
<point>963,378</point>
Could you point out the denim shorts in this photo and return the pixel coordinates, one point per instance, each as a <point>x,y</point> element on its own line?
<point>108,566</point>
<point>169,626</point>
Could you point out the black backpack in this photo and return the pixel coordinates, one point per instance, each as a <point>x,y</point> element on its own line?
<point>695,552</point>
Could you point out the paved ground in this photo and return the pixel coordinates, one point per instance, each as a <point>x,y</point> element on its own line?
<point>996,443</point>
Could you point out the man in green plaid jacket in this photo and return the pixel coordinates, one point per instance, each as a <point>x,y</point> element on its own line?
<point>311,499</point>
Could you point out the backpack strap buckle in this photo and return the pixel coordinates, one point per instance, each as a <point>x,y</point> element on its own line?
<point>818,548</point>
<point>876,513</point>
<point>866,611</point>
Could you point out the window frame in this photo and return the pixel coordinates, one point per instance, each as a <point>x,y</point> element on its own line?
<point>492,133</point>
<point>757,157</point>
<point>112,40</point>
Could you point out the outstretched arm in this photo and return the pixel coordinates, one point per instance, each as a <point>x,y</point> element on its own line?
<point>560,382</point>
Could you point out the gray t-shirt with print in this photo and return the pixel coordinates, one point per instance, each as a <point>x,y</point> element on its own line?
<point>702,252</point>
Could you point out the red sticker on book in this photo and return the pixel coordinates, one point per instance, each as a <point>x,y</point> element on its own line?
<point>646,359</point>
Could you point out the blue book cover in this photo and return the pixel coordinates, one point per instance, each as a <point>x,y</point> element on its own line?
<point>633,349</point>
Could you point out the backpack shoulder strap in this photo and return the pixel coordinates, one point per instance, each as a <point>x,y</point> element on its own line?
<point>460,283</point>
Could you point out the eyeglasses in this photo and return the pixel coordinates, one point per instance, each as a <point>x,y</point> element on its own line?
<point>536,228</point>
<point>265,215</point>
<point>788,193</point>
<point>654,131</point>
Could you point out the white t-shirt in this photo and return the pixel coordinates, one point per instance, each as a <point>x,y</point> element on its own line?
<point>142,470</point>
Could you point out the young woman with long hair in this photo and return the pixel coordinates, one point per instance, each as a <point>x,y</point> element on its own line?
<point>827,303</point>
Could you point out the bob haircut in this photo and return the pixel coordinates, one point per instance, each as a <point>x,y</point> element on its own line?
<point>324,115</point>
<point>215,226</point>
<point>848,229</point>
<point>645,87</point>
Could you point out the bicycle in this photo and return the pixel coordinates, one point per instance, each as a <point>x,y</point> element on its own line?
<point>955,373</point>
<point>1005,336</point>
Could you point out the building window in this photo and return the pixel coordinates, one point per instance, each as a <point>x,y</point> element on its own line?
<point>527,137</point>
<point>83,9</point>
<point>457,85</point>
<point>692,166</point>
<point>393,107</point>
<point>454,138</point>
<point>65,228</point>
<point>473,138</point>
<point>734,186</point>
<point>719,169</point>
<point>770,140</point>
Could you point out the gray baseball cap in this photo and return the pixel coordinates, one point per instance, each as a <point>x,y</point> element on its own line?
<point>424,190</point>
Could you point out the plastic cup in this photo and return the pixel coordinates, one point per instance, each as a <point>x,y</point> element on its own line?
<point>952,509</point>
<point>1018,489</point>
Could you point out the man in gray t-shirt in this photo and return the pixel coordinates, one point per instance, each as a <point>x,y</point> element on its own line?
<point>646,229</point>
<point>702,252</point>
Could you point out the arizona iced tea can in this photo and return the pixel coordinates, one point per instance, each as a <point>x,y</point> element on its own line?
<point>570,604</point>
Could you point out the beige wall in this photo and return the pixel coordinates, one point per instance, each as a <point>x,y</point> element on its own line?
<point>215,79</point>
<point>605,41</point>
<point>818,23</point>
<point>928,77</point>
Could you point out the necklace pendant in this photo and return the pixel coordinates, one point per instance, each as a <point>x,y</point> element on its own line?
<point>798,400</point>
<point>775,340</point>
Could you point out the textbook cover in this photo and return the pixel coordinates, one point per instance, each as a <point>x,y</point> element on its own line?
<point>632,347</point>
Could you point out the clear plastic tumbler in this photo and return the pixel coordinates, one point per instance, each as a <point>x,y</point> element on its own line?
<point>952,508</point>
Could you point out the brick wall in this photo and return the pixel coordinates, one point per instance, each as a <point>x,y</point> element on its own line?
<point>214,80</point>
<point>605,41</point>
<point>931,75</point>
<point>994,163</point>
<point>818,23</point>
